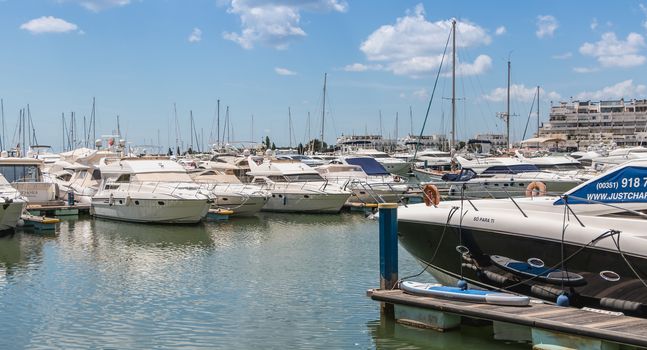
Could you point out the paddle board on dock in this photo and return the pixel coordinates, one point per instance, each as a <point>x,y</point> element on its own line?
<point>469,295</point>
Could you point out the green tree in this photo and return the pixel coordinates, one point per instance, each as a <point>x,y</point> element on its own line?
<point>267,142</point>
<point>273,146</point>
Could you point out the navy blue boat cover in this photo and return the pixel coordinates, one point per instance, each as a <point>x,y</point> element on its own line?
<point>369,165</point>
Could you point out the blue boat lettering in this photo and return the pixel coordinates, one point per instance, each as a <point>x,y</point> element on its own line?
<point>625,184</point>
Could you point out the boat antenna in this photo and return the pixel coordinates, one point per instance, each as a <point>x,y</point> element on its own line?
<point>433,92</point>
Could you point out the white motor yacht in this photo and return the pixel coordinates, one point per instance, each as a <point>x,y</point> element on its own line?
<point>391,164</point>
<point>149,190</point>
<point>500,178</point>
<point>26,175</point>
<point>230,193</point>
<point>588,243</point>
<point>80,180</point>
<point>377,186</point>
<point>296,187</point>
<point>12,204</point>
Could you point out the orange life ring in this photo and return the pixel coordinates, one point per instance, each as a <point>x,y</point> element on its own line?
<point>431,195</point>
<point>537,186</point>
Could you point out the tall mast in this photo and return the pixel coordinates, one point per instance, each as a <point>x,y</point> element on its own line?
<point>411,119</point>
<point>537,110</point>
<point>177,145</point>
<point>290,126</point>
<point>507,113</point>
<point>453,141</point>
<point>3,141</point>
<point>252,128</point>
<point>218,123</point>
<point>396,126</point>
<point>323,111</point>
<point>191,129</point>
<point>380,122</point>
<point>94,121</point>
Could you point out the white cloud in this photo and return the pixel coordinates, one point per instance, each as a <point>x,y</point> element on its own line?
<point>585,69</point>
<point>48,24</point>
<point>284,71</point>
<point>594,23</point>
<point>481,64</point>
<point>546,26</point>
<point>195,36</point>
<point>521,93</point>
<point>275,23</point>
<point>413,45</point>
<point>360,67</point>
<point>563,56</point>
<point>611,52</point>
<point>624,89</point>
<point>98,5</point>
<point>422,94</point>
<point>500,30</point>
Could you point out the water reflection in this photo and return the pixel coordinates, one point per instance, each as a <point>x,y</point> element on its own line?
<point>388,334</point>
<point>270,281</point>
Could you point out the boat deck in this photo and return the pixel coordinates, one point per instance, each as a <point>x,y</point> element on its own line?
<point>613,327</point>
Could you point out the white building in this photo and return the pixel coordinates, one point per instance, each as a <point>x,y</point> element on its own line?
<point>587,123</point>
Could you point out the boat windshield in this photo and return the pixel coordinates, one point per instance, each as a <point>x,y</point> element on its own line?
<point>20,173</point>
<point>511,169</point>
<point>304,177</point>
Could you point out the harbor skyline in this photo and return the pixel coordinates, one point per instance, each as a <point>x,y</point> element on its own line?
<point>138,58</point>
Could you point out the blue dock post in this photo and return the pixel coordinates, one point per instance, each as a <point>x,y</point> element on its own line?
<point>388,250</point>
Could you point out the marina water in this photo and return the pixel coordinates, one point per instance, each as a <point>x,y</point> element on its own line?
<point>271,281</point>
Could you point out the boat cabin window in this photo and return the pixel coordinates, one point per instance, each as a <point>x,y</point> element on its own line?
<point>64,177</point>
<point>511,169</point>
<point>277,178</point>
<point>123,178</point>
<point>304,177</point>
<point>96,174</point>
<point>259,180</point>
<point>20,173</point>
<point>560,167</point>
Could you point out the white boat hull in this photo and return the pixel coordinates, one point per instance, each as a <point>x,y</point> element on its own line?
<point>306,202</point>
<point>10,214</point>
<point>176,211</point>
<point>240,205</point>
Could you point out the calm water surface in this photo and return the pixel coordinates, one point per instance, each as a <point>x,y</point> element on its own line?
<point>272,281</point>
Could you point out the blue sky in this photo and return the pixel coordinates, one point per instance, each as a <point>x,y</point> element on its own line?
<point>138,57</point>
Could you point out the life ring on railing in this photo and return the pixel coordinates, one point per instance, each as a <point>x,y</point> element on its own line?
<point>537,187</point>
<point>431,195</point>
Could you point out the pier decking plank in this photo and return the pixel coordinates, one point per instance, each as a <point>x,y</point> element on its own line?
<point>609,327</point>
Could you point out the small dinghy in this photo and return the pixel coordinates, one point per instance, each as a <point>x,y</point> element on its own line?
<point>538,271</point>
<point>469,295</point>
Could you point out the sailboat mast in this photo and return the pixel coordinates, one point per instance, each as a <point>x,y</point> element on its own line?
<point>93,121</point>
<point>323,111</point>
<point>537,110</point>
<point>411,119</point>
<point>290,127</point>
<point>453,143</point>
<point>3,141</point>
<point>507,113</point>
<point>218,123</point>
<point>191,131</point>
